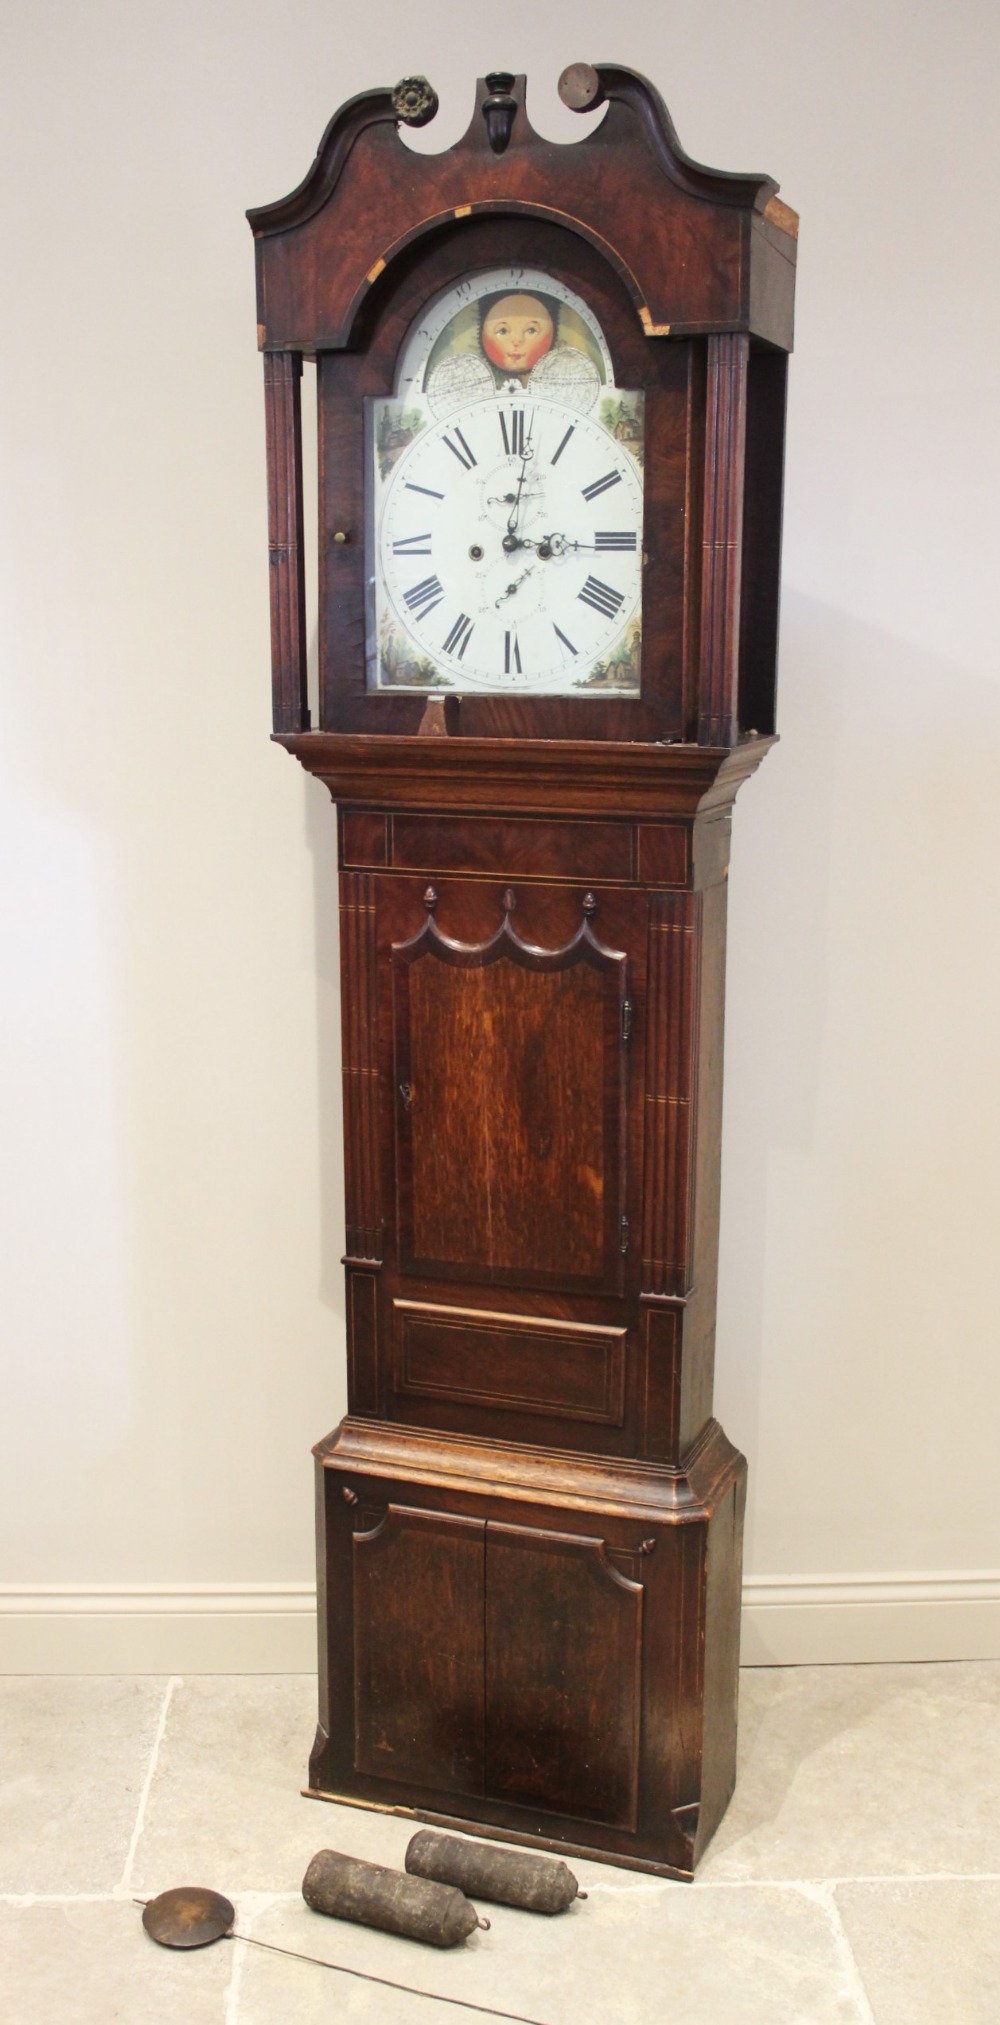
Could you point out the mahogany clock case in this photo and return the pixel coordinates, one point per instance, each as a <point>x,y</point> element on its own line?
<point>529,1523</point>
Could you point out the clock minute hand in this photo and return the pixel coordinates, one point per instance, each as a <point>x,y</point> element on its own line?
<point>512,517</point>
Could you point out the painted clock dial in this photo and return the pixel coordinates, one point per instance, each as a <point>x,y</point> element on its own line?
<point>506,500</point>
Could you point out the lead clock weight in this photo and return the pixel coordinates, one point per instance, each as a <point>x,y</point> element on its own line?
<point>517,1877</point>
<point>369,1894</point>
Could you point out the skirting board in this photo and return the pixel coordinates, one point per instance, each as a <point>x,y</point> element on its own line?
<point>205,1627</point>
<point>251,1627</point>
<point>846,1619</point>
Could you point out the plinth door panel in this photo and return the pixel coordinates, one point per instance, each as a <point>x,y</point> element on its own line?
<point>491,1660</point>
<point>563,1675</point>
<point>418,1649</point>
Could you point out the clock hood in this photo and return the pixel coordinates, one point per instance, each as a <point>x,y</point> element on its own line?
<point>698,249</point>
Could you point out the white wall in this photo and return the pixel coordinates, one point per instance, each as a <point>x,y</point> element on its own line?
<point>173,1323</point>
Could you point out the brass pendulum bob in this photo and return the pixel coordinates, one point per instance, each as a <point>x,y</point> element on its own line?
<point>190,1916</point>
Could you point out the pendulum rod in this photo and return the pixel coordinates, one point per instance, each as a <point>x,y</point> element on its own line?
<point>387,1982</point>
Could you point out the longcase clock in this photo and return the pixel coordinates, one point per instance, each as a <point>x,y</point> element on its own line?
<point>550,396</point>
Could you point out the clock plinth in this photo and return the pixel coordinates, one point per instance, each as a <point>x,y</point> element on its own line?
<point>548,1653</point>
<point>550,462</point>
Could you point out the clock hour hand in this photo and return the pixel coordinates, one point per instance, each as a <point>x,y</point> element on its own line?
<point>546,545</point>
<point>557,544</point>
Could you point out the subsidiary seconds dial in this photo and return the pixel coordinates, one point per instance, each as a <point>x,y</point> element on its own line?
<point>510,549</point>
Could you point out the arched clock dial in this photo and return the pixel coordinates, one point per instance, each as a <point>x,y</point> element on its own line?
<point>506,499</point>
<point>509,554</point>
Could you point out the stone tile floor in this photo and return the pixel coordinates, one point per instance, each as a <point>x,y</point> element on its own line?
<point>855,1880</point>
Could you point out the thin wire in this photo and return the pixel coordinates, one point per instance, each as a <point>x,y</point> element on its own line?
<point>294,1955</point>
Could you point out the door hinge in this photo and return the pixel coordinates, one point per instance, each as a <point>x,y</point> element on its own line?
<point>624,1229</point>
<point>626,1019</point>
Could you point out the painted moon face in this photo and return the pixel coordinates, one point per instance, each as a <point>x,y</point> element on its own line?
<point>517,331</point>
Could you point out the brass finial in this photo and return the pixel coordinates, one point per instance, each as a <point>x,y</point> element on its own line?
<point>414,101</point>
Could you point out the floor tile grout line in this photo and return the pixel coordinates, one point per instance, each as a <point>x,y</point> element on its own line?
<point>819,1879</point>
<point>126,1879</point>
<point>234,1988</point>
<point>27,1899</point>
<point>836,1878</point>
<point>825,1896</point>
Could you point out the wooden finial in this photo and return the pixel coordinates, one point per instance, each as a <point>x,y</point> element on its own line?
<point>499,110</point>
